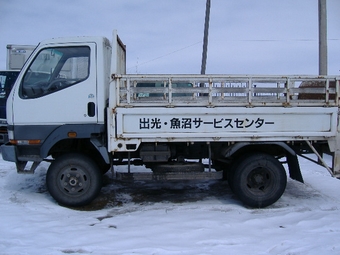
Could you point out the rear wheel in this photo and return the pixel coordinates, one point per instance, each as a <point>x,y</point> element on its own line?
<point>73,180</point>
<point>259,180</point>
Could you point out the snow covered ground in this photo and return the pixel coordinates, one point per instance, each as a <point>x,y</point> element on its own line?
<point>187,217</point>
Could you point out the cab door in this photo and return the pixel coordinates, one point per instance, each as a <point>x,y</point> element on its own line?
<point>58,87</point>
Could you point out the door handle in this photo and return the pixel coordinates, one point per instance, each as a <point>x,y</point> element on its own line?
<point>91,109</point>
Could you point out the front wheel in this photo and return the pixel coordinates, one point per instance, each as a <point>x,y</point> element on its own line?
<point>73,180</point>
<point>259,180</point>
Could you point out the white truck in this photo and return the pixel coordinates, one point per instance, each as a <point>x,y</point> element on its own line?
<point>17,55</point>
<point>74,106</point>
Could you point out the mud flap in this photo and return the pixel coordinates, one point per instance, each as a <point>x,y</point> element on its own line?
<point>294,168</point>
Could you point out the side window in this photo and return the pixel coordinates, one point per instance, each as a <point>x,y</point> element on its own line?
<point>54,69</point>
<point>75,68</point>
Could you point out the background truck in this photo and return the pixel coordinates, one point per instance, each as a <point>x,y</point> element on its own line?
<point>74,106</point>
<point>16,57</point>
<point>7,80</point>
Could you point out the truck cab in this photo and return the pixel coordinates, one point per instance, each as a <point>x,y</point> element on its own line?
<point>60,94</point>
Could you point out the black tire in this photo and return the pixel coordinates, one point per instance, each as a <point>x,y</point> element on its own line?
<point>259,180</point>
<point>73,180</point>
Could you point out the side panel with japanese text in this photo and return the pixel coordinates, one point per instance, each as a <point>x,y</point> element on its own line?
<point>225,122</point>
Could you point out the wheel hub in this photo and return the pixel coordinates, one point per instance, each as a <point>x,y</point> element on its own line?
<point>73,181</point>
<point>258,179</point>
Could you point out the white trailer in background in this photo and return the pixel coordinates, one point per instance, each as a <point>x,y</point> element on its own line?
<point>17,55</point>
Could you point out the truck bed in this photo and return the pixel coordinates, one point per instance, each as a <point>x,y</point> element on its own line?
<point>225,108</point>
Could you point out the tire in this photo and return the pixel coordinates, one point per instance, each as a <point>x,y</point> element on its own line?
<point>259,180</point>
<point>73,180</point>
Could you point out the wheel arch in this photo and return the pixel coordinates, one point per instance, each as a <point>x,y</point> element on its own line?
<point>89,139</point>
<point>273,148</point>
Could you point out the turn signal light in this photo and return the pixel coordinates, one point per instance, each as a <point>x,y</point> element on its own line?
<point>72,134</point>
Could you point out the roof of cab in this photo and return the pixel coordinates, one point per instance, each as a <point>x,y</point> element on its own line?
<point>76,39</point>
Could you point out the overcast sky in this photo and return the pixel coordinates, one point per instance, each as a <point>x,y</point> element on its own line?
<point>165,36</point>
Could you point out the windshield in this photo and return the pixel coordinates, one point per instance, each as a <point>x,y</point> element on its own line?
<point>54,69</point>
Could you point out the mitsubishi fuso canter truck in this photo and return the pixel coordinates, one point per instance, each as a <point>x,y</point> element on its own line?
<point>74,106</point>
